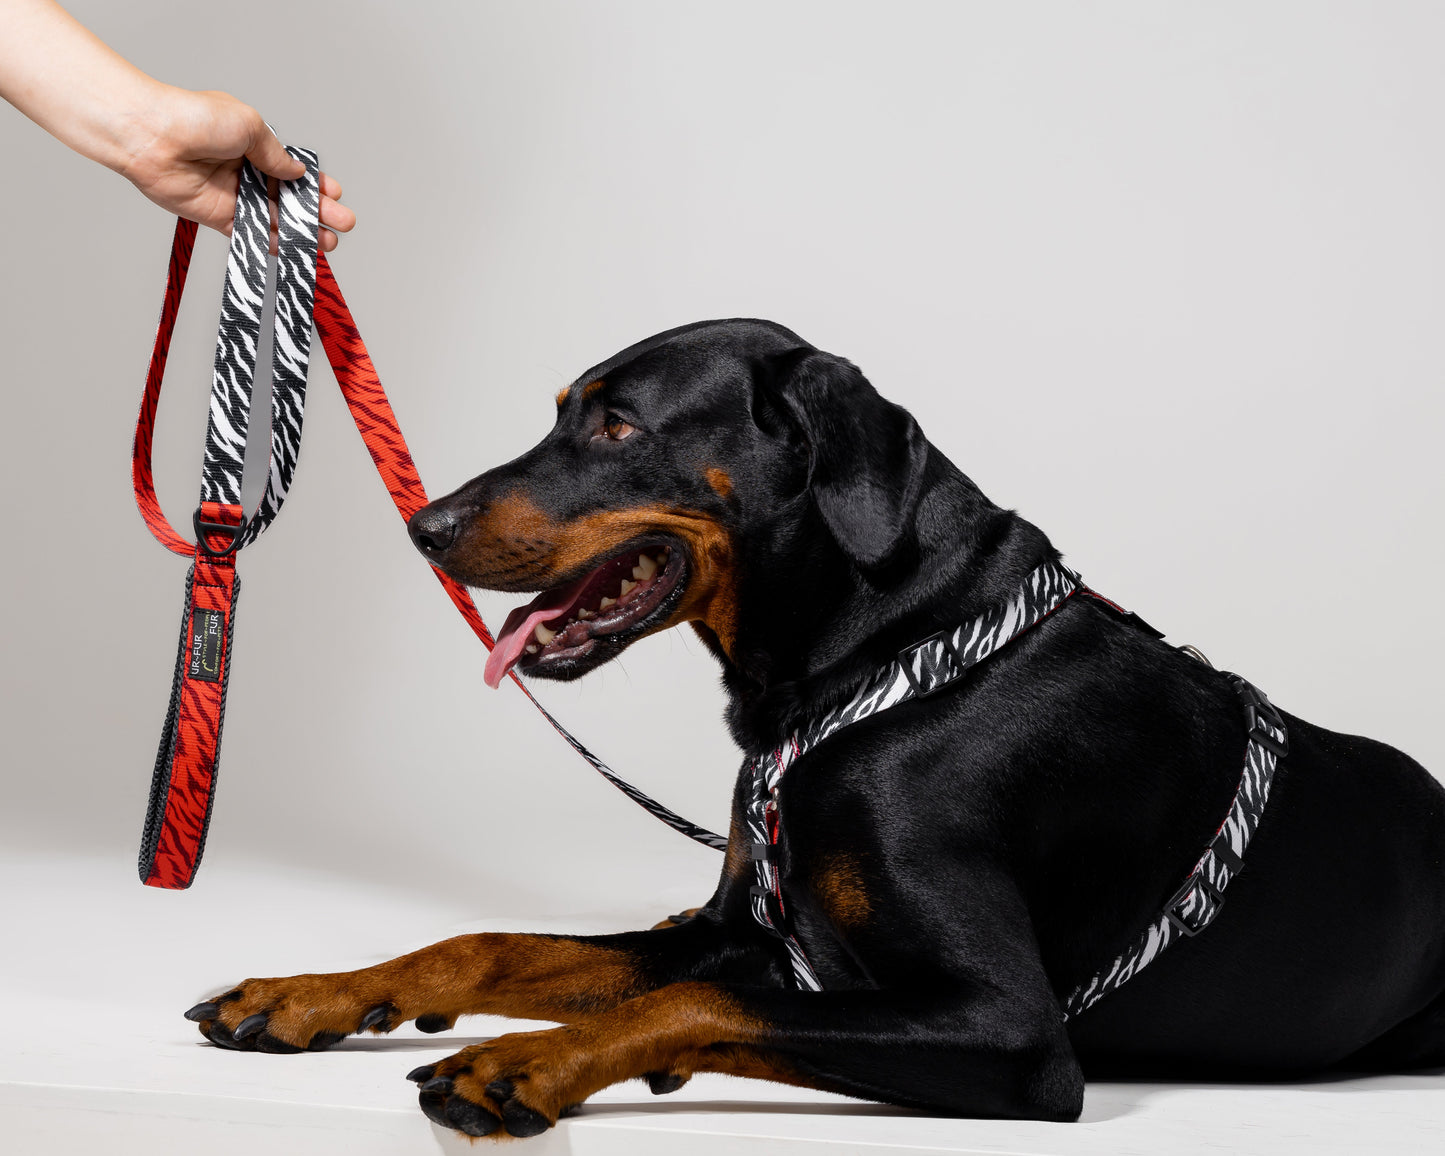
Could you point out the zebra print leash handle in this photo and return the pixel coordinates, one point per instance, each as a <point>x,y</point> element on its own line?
<point>184,779</point>
<point>178,813</point>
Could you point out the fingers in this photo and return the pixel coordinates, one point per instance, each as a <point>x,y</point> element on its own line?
<point>268,155</point>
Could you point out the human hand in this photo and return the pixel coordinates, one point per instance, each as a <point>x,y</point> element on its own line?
<point>187,151</point>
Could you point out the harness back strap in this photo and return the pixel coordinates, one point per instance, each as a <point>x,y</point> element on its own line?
<point>1198,901</point>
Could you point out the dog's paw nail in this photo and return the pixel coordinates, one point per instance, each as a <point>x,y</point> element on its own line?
<point>203,1011</point>
<point>425,1072</point>
<point>439,1084</point>
<point>501,1090</point>
<point>375,1016</point>
<point>470,1118</point>
<point>220,1035</point>
<point>250,1026</point>
<point>431,1023</point>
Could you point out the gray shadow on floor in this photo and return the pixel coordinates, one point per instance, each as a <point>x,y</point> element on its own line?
<point>1117,1096</point>
<point>444,1044</point>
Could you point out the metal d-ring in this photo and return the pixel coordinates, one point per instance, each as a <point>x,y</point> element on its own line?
<point>1195,653</point>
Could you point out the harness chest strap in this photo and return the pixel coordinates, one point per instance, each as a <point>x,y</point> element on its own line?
<point>936,662</point>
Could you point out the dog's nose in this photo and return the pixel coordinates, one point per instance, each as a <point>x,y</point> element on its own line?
<point>433,529</point>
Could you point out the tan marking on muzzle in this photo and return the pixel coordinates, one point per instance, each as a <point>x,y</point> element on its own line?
<point>516,546</point>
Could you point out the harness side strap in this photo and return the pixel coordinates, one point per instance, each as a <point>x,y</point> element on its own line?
<point>375,421</point>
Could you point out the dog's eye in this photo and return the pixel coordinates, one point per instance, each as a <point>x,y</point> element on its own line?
<point>614,429</point>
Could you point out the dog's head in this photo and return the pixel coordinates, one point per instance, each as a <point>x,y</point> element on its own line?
<point>673,488</point>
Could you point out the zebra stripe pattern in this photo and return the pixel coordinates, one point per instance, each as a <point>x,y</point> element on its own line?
<point>762,822</point>
<point>298,214</point>
<point>919,670</point>
<point>238,338</point>
<point>1198,902</point>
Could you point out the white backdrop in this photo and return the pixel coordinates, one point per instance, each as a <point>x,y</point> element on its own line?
<point>1166,278</point>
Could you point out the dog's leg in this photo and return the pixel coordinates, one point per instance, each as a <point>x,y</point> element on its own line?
<point>978,1052</point>
<point>522,976</point>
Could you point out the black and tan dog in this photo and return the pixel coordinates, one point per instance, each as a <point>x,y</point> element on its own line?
<point>952,866</point>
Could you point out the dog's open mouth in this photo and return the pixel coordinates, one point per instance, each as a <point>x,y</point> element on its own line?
<point>560,631</point>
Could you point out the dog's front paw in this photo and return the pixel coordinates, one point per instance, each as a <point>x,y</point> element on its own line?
<point>304,1013</point>
<point>515,1085</point>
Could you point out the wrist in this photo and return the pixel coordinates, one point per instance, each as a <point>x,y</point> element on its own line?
<point>140,124</point>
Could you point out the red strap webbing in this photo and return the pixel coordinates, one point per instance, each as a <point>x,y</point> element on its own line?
<point>183,784</point>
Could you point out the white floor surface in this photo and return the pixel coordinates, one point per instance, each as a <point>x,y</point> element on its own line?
<point>96,1058</point>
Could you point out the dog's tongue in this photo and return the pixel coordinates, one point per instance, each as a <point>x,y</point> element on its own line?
<point>517,631</point>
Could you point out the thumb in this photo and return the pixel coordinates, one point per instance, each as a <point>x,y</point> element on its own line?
<point>267,155</point>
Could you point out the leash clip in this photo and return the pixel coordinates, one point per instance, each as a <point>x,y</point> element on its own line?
<point>202,528</point>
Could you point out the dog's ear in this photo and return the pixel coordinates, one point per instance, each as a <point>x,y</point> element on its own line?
<point>866,456</point>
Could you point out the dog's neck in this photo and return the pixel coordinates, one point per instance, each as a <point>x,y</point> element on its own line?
<point>819,625</point>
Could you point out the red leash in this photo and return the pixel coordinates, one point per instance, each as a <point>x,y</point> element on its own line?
<point>183,784</point>
<point>198,706</point>
<point>361,387</point>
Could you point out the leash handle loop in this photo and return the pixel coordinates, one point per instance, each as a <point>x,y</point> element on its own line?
<point>183,782</point>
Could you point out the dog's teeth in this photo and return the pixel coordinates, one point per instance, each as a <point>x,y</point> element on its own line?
<point>606,603</point>
<point>544,635</point>
<point>644,569</point>
<point>584,614</point>
<point>532,648</point>
<point>628,586</point>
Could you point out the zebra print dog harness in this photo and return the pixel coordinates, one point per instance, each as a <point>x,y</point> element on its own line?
<point>941,659</point>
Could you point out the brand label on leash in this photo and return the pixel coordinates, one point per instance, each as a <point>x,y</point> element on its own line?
<point>205,659</point>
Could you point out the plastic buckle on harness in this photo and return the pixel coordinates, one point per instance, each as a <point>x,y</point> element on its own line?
<point>202,528</point>
<point>1172,909</point>
<point>905,660</point>
<point>1257,707</point>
